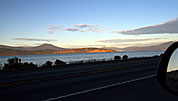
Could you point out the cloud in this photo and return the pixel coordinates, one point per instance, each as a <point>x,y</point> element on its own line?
<point>76,27</point>
<point>82,30</point>
<point>52,31</point>
<point>83,25</point>
<point>34,39</point>
<point>170,27</point>
<point>96,45</point>
<point>87,27</point>
<point>127,40</point>
<point>94,29</point>
<point>71,29</point>
<point>53,27</point>
<point>140,44</point>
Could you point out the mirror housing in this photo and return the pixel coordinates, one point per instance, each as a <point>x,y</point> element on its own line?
<point>163,66</point>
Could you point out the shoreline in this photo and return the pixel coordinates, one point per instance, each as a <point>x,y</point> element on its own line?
<point>89,62</point>
<point>76,58</point>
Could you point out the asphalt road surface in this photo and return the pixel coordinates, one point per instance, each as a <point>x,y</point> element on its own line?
<point>113,81</point>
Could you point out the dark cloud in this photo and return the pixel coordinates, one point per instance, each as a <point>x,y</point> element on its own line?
<point>127,40</point>
<point>34,39</point>
<point>170,27</point>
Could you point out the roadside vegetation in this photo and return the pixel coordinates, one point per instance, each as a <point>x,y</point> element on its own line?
<point>15,63</point>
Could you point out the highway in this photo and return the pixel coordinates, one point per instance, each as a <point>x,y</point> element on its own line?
<point>110,81</point>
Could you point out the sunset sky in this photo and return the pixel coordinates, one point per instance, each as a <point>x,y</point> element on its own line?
<point>88,23</point>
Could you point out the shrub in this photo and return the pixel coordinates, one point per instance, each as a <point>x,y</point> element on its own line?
<point>81,62</point>
<point>29,65</point>
<point>13,63</point>
<point>117,58</point>
<point>59,62</point>
<point>125,57</point>
<point>48,64</point>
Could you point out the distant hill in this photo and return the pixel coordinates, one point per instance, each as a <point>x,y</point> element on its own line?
<point>11,47</point>
<point>46,49</point>
<point>162,46</point>
<point>51,49</point>
<point>40,47</point>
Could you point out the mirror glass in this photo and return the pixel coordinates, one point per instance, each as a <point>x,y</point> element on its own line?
<point>172,71</point>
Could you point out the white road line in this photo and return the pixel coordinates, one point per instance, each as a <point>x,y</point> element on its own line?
<point>99,88</point>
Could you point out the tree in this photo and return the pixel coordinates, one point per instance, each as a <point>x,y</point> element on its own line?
<point>59,62</point>
<point>117,58</point>
<point>125,57</point>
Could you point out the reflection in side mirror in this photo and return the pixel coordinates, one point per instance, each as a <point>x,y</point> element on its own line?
<point>172,71</point>
<point>167,72</point>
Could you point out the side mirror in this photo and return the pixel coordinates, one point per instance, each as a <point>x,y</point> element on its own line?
<point>167,73</point>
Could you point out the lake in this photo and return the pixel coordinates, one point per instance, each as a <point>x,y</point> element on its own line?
<point>41,59</point>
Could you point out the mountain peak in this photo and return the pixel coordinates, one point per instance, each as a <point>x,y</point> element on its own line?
<point>46,46</point>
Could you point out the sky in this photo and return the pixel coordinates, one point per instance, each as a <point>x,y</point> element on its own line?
<point>88,23</point>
